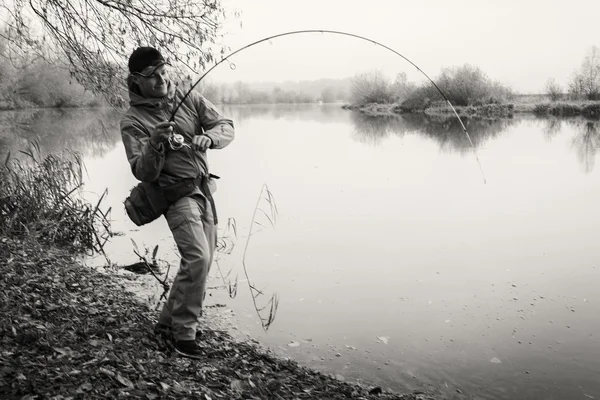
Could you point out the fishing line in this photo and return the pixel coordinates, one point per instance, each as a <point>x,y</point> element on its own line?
<point>232,66</point>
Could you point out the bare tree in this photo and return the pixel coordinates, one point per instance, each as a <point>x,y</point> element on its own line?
<point>585,82</point>
<point>402,87</point>
<point>371,87</point>
<point>590,72</point>
<point>576,89</point>
<point>94,37</point>
<point>553,90</point>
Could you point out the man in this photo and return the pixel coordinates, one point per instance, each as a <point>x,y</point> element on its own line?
<point>155,157</point>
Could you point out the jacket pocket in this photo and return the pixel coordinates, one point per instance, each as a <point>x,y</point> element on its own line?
<point>184,213</point>
<point>175,220</point>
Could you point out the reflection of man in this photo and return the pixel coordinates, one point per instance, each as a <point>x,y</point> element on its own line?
<point>146,134</point>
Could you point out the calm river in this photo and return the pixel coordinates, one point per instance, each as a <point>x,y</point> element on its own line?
<point>394,263</point>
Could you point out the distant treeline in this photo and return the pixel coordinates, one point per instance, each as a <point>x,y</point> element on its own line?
<point>465,85</point>
<point>324,90</point>
<point>33,84</point>
<point>40,84</point>
<point>469,86</point>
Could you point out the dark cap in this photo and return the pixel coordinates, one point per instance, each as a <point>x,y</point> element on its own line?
<point>143,57</point>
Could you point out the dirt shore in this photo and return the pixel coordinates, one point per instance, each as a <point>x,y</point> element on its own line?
<point>69,332</point>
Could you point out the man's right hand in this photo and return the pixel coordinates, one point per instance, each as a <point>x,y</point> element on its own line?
<point>161,133</point>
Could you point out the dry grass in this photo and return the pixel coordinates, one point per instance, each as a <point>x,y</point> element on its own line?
<point>39,198</point>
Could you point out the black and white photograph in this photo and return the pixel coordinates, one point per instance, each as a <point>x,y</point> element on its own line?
<point>283,199</point>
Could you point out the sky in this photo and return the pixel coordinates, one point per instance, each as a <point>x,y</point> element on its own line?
<point>520,43</point>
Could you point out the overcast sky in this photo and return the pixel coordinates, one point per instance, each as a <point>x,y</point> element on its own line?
<point>520,43</point>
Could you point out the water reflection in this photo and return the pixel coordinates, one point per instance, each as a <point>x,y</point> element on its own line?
<point>551,127</point>
<point>373,130</point>
<point>485,277</point>
<point>96,131</point>
<point>445,130</point>
<point>328,113</point>
<point>86,131</point>
<point>586,144</point>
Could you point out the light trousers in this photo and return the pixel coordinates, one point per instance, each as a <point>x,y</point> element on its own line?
<point>191,222</point>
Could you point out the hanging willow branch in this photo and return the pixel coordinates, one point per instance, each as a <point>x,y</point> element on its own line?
<point>95,37</point>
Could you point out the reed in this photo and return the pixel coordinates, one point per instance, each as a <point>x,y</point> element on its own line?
<point>225,245</point>
<point>150,264</point>
<point>40,199</point>
<point>265,214</point>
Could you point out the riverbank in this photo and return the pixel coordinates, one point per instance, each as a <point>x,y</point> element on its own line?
<point>587,109</point>
<point>68,331</point>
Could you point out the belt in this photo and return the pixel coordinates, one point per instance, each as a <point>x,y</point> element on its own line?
<point>185,187</point>
<point>202,183</point>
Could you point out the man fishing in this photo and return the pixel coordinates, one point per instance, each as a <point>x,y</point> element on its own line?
<point>172,154</point>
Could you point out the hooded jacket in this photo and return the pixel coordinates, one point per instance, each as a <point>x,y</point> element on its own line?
<point>196,116</point>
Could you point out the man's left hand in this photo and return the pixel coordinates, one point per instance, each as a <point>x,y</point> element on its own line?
<point>201,142</point>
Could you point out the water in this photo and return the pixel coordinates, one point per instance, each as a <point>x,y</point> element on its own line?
<point>393,262</point>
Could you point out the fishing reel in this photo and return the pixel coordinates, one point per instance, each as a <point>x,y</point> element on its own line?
<point>177,141</point>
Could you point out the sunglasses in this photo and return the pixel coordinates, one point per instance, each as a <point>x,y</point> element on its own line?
<point>151,73</point>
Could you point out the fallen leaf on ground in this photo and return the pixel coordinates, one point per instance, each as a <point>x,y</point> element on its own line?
<point>124,381</point>
<point>237,385</point>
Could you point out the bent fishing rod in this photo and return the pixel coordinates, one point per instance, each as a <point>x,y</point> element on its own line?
<point>322,31</point>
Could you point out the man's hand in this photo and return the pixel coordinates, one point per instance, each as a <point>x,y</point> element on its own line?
<point>161,133</point>
<point>201,142</point>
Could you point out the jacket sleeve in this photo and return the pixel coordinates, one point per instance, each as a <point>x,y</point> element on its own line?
<point>146,161</point>
<point>218,128</point>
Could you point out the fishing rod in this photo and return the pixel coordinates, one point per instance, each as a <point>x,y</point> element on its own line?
<point>306,31</point>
